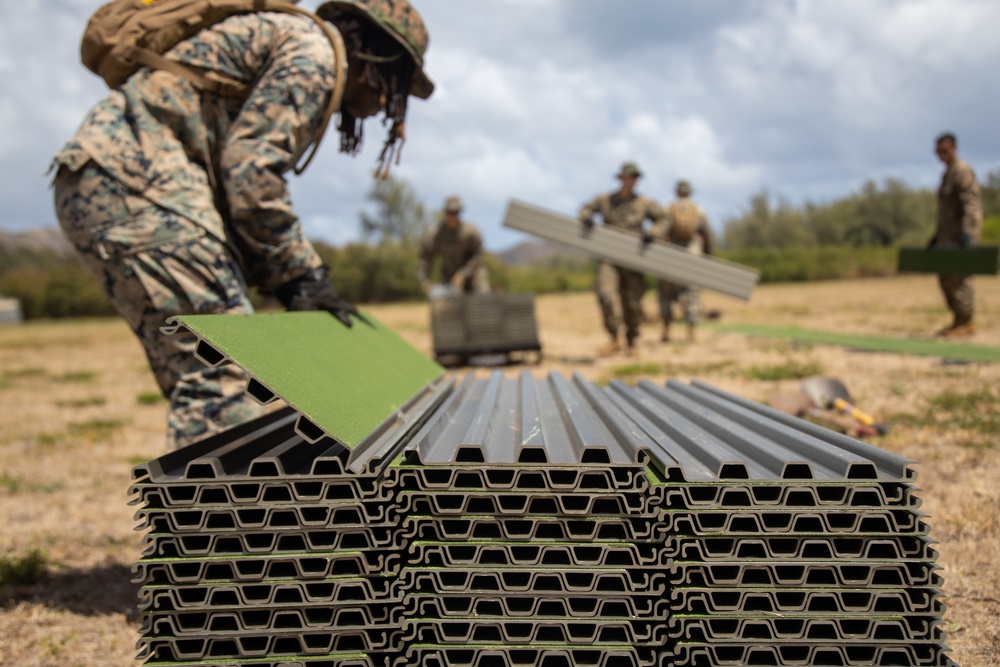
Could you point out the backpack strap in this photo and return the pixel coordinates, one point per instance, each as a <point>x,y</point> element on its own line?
<point>210,82</point>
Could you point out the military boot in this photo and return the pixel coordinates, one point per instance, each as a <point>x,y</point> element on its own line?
<point>609,348</point>
<point>963,328</point>
<point>665,336</point>
<point>691,333</point>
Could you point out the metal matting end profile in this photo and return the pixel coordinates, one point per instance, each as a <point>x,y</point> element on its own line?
<point>621,248</point>
<point>345,381</point>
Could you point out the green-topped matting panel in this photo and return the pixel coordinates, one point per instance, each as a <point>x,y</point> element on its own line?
<point>962,261</point>
<point>930,348</point>
<point>345,380</point>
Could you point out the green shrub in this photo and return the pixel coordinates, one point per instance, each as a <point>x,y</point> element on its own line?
<point>22,570</point>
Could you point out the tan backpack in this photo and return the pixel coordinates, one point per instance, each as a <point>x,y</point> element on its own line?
<point>685,217</point>
<point>124,35</point>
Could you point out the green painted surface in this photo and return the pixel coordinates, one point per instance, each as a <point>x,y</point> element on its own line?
<point>931,348</point>
<point>968,261</point>
<point>346,380</point>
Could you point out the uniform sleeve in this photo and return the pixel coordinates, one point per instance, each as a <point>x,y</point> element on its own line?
<point>708,238</point>
<point>426,255</point>
<point>657,216</point>
<point>590,208</point>
<point>273,129</point>
<point>972,205</point>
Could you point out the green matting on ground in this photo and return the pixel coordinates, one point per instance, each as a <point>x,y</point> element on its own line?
<point>345,380</point>
<point>930,348</point>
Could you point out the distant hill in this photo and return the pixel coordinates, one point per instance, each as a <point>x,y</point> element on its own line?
<point>530,253</point>
<point>41,240</point>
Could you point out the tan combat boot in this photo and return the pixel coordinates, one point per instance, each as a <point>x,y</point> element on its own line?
<point>609,348</point>
<point>691,333</point>
<point>665,336</point>
<point>963,328</point>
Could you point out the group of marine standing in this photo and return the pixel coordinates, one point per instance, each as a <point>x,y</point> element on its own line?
<point>174,190</point>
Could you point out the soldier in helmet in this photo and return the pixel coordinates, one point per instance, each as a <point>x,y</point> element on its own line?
<point>459,247</point>
<point>687,226</point>
<point>960,221</point>
<point>626,210</point>
<point>176,197</point>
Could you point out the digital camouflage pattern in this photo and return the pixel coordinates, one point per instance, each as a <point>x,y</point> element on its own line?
<point>608,298</point>
<point>685,224</point>
<point>960,214</point>
<point>626,212</point>
<point>178,199</point>
<point>460,255</point>
<point>154,264</point>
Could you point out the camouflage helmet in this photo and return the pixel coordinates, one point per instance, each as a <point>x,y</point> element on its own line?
<point>401,22</point>
<point>453,205</point>
<point>629,169</point>
<point>683,189</point>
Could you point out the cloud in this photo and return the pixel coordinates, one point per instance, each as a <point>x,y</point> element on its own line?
<point>543,99</point>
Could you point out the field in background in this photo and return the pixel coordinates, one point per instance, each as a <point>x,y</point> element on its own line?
<point>79,408</point>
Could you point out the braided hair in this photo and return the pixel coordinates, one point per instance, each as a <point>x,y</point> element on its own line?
<point>388,71</point>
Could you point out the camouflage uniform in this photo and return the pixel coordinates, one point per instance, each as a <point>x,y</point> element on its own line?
<point>960,214</point>
<point>626,213</point>
<point>177,198</point>
<point>461,255</point>
<point>698,241</point>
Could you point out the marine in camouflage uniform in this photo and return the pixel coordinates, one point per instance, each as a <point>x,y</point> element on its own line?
<point>626,210</point>
<point>960,221</point>
<point>176,198</point>
<point>459,247</point>
<point>687,226</point>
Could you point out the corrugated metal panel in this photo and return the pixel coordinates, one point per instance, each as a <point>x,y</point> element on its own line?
<point>536,521</point>
<point>344,382</point>
<point>967,261</point>
<point>658,259</point>
<point>473,324</point>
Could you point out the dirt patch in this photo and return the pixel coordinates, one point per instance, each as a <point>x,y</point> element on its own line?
<point>80,408</point>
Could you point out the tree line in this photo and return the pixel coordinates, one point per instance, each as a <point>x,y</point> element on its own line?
<point>854,236</point>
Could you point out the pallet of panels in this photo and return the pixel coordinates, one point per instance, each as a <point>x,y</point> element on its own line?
<point>527,521</point>
<point>468,325</point>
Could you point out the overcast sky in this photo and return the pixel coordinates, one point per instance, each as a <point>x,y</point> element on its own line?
<point>543,99</point>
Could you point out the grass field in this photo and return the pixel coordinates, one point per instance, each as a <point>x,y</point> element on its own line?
<point>79,408</point>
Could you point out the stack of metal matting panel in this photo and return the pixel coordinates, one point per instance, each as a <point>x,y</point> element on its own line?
<point>534,537</point>
<point>789,544</point>
<point>262,551</point>
<point>484,324</point>
<point>526,521</point>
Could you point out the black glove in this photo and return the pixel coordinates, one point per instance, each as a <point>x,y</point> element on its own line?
<point>314,291</point>
<point>647,238</point>
<point>588,222</point>
<point>964,241</point>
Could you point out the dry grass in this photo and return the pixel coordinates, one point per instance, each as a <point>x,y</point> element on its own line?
<point>78,409</point>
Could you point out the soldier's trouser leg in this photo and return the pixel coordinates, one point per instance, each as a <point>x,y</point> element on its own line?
<point>631,287</point>
<point>665,293</point>
<point>606,287</point>
<point>154,264</point>
<point>960,296</point>
<point>690,298</point>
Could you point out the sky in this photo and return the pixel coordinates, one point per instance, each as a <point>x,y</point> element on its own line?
<point>542,100</point>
